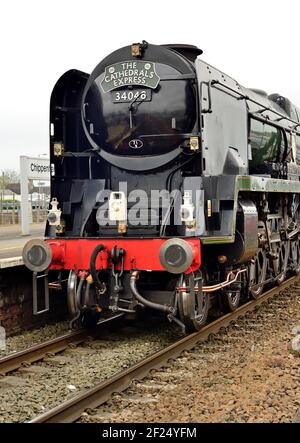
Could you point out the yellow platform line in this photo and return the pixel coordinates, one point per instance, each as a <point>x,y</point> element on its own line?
<point>10,248</point>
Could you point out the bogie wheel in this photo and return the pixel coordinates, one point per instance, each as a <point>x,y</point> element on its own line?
<point>78,300</point>
<point>283,251</point>
<point>279,250</point>
<point>71,297</point>
<point>193,305</point>
<point>295,256</point>
<point>257,273</point>
<point>230,299</point>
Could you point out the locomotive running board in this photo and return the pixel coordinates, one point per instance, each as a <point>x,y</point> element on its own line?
<point>35,278</point>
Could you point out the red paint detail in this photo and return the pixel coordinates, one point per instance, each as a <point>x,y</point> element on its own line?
<point>83,275</point>
<point>141,254</point>
<point>58,251</point>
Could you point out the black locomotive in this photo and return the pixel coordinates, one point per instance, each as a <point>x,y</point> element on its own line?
<point>173,187</point>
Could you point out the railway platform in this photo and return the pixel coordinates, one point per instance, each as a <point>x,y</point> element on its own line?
<point>12,242</point>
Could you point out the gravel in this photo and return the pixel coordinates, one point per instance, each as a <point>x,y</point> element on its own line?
<point>247,372</point>
<point>62,376</point>
<point>30,338</point>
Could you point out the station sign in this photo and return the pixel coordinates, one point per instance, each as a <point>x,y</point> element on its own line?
<point>36,168</point>
<point>31,168</point>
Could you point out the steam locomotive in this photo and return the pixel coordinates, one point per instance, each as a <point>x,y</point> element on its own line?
<point>173,188</point>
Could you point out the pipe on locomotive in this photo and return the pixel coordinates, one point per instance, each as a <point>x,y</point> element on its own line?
<point>99,285</point>
<point>218,286</point>
<point>170,309</point>
<point>145,302</point>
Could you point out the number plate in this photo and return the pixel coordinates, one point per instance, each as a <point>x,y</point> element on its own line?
<point>128,96</point>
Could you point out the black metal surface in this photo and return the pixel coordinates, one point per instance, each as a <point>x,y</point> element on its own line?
<point>114,127</point>
<point>108,136</point>
<point>191,52</point>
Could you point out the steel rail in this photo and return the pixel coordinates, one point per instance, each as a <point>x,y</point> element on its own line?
<point>71,409</point>
<point>39,351</point>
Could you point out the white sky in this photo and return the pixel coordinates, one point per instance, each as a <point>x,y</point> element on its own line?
<point>256,42</point>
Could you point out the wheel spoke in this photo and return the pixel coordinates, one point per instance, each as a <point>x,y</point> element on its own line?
<point>257,273</point>
<point>192,312</point>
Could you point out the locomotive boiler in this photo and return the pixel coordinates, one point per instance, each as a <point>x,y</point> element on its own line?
<point>173,188</point>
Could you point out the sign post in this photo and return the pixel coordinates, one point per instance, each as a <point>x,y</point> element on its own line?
<point>33,168</point>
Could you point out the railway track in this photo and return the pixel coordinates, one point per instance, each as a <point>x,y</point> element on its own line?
<point>70,410</point>
<point>39,351</point>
